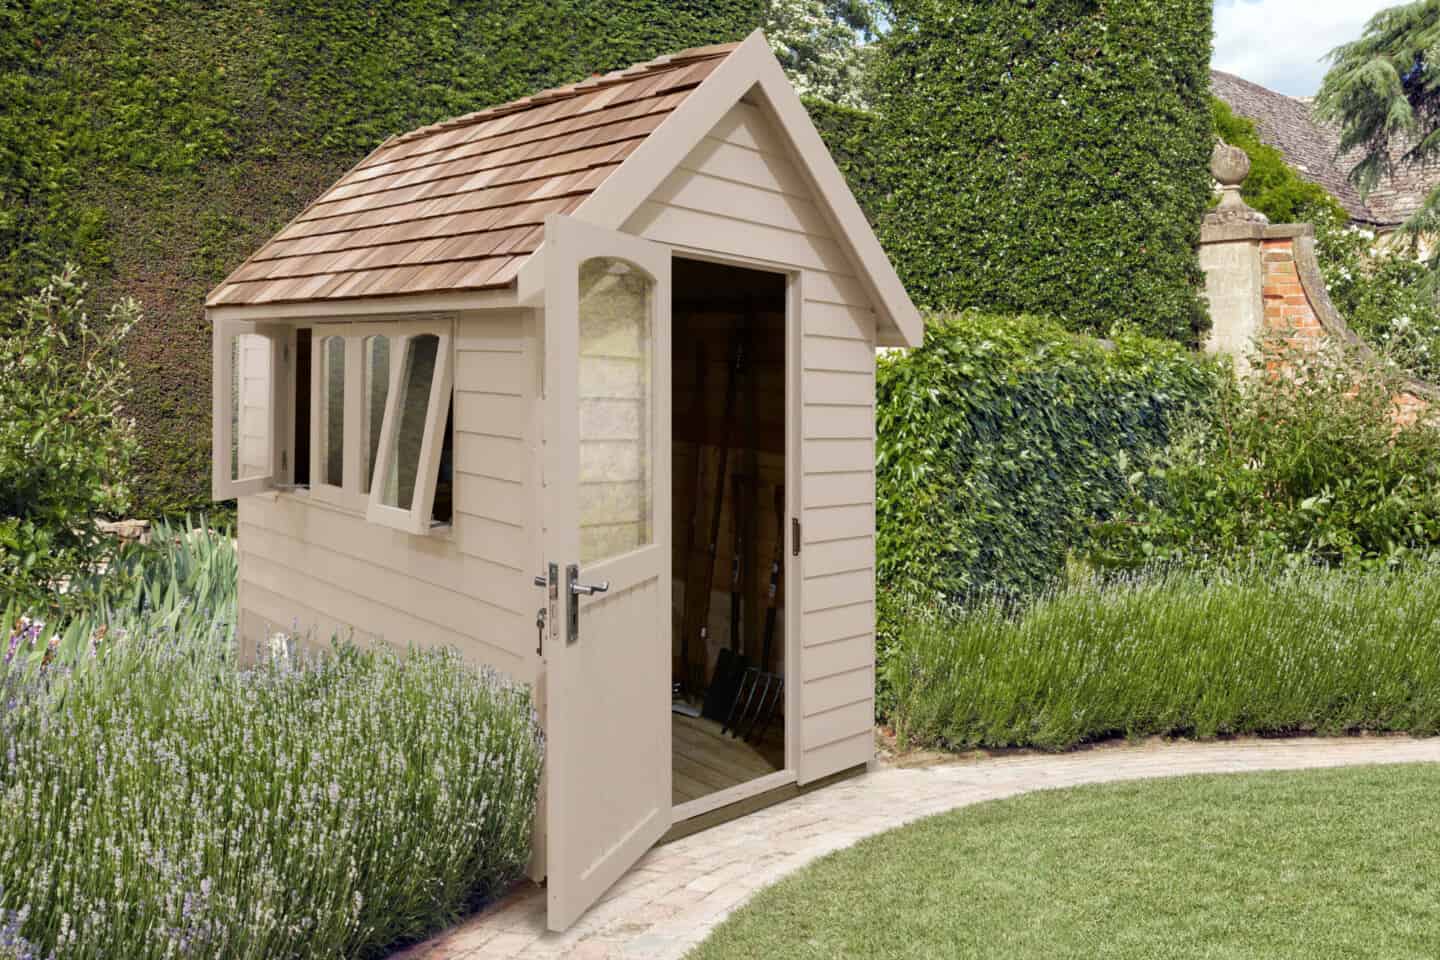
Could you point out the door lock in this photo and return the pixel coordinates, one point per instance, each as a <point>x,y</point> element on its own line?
<point>550,613</point>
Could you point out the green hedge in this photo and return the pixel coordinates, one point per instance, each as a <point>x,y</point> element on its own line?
<point>1002,438</point>
<point>156,143</point>
<point>1042,156</point>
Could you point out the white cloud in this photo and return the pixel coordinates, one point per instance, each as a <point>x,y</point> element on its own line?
<point>1280,43</point>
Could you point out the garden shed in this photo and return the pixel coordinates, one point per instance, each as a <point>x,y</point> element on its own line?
<point>583,385</point>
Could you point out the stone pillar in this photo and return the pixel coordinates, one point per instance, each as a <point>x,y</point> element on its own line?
<point>1231,240</point>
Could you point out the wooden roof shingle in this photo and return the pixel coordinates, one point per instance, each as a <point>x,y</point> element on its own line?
<point>460,205</point>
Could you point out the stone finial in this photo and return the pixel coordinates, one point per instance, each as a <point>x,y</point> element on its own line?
<point>1230,166</point>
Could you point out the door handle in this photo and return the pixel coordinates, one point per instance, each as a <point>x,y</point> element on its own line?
<point>576,589</point>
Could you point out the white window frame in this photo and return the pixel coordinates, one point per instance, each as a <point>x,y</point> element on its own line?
<point>282,339</point>
<point>348,494</point>
<point>416,519</point>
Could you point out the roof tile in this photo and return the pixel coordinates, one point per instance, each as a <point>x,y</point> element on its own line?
<point>460,205</point>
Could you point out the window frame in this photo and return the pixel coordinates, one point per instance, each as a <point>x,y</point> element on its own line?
<point>281,338</point>
<point>348,496</point>
<point>416,519</point>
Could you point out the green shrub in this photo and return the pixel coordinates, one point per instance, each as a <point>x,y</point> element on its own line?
<point>1001,437</point>
<point>162,804</point>
<point>1252,652</point>
<point>181,585</point>
<point>1307,466</point>
<point>1384,293</point>
<point>65,446</point>
<point>1047,157</point>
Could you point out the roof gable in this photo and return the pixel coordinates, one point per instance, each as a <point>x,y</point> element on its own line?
<point>752,73</point>
<point>459,205</point>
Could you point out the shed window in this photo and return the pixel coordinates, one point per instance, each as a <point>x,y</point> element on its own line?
<point>372,412</point>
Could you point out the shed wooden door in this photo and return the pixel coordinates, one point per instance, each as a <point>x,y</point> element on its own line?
<point>606,524</point>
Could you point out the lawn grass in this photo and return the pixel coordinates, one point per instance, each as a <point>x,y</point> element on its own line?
<point>1332,863</point>
<point>1180,654</point>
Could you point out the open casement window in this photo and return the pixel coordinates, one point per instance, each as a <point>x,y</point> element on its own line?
<point>250,449</point>
<point>408,447</point>
<point>351,370</point>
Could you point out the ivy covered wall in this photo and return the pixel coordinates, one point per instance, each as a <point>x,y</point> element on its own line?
<point>1040,156</point>
<point>158,142</point>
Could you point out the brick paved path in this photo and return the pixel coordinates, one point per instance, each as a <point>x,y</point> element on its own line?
<point>678,892</point>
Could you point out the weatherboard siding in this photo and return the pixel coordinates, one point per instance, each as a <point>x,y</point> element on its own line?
<point>322,570</point>
<point>739,194</point>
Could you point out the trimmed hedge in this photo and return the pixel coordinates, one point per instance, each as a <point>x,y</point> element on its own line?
<point>1043,156</point>
<point>1002,439</point>
<point>157,143</point>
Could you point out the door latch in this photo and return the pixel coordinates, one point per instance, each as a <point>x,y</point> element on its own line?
<point>576,590</point>
<point>548,613</point>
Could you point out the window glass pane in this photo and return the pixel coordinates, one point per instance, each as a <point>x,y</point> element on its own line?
<point>616,408</point>
<point>376,387</point>
<point>443,510</point>
<point>416,375</point>
<point>250,399</point>
<point>332,411</point>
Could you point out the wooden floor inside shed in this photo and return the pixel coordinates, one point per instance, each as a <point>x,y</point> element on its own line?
<point>705,760</point>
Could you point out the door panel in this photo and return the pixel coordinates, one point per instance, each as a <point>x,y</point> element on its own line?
<point>607,510</point>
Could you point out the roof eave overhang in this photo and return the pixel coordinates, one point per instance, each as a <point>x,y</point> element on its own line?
<point>354,307</point>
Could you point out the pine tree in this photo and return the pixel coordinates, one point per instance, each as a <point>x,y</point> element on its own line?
<point>1384,91</point>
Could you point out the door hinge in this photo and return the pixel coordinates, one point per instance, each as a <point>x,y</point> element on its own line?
<point>284,460</point>
<point>795,536</point>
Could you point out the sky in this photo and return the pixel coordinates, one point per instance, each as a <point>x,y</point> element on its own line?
<point>1280,43</point>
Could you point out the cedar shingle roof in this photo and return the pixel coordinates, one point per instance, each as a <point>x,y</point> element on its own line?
<point>459,205</point>
<point>1310,146</point>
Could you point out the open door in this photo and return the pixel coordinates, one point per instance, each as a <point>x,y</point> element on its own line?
<point>607,545</point>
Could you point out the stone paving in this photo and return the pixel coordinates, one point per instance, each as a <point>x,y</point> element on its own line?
<point>677,893</point>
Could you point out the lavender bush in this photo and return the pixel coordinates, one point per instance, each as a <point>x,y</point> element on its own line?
<point>168,805</point>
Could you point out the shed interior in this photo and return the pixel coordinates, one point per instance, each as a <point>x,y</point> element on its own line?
<point>728,475</point>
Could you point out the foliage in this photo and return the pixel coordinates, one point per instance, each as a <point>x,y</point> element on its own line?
<point>65,446</point>
<point>158,143</point>
<point>163,804</point>
<point>1384,91</point>
<point>1283,865</point>
<point>181,585</point>
<point>1255,651</point>
<point>999,439</point>
<point>1273,187</point>
<point>819,43</point>
<point>1047,157</point>
<point>1383,292</point>
<point>1303,465</point>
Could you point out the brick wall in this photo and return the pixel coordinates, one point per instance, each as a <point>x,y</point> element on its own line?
<point>1288,311</point>
<point>1297,308</point>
